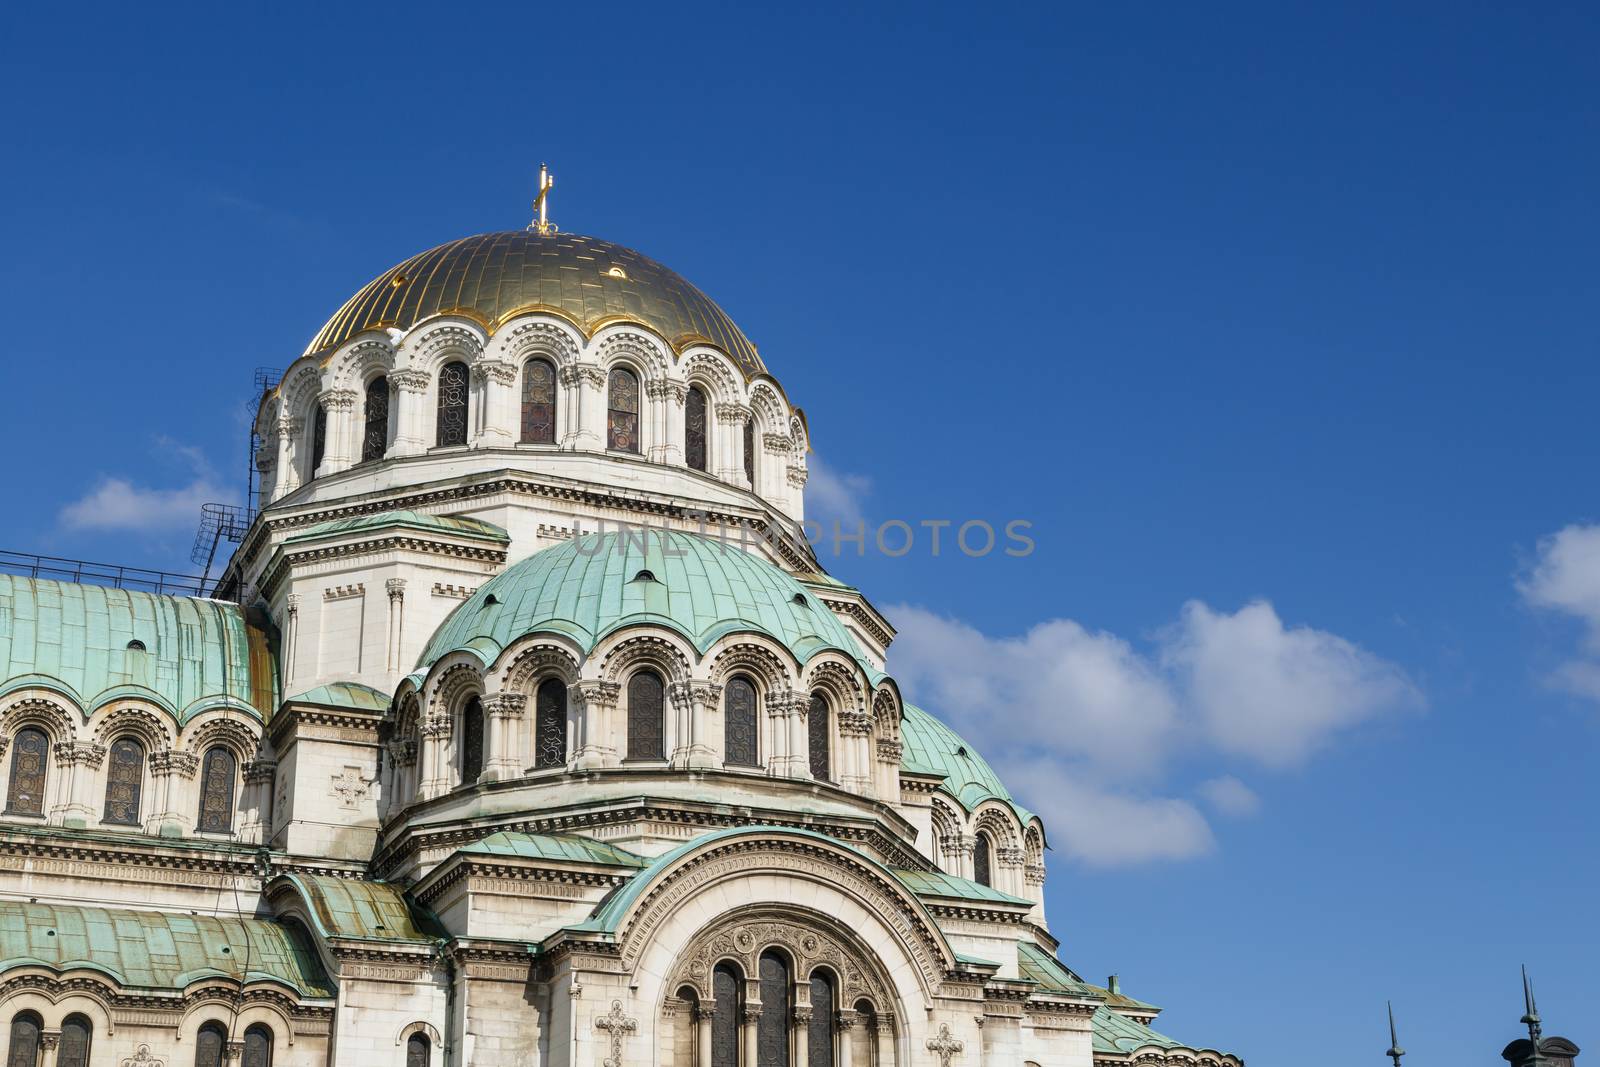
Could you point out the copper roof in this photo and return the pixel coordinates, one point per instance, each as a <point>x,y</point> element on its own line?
<point>494,276</point>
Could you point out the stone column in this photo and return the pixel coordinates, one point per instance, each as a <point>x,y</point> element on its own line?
<point>802,1035</point>
<point>776,742</point>
<point>694,705</point>
<point>586,400</point>
<point>49,1047</point>
<point>704,1014</point>
<point>750,1033</point>
<point>774,460</point>
<point>504,712</point>
<point>596,703</point>
<point>234,1051</point>
<point>288,479</point>
<point>885,1039</point>
<point>79,763</point>
<point>339,444</point>
<point>255,806</point>
<point>396,588</point>
<point>844,1022</point>
<point>799,736</point>
<point>169,769</point>
<point>408,394</point>
<point>796,475</point>
<point>291,635</point>
<point>432,762</point>
<point>497,386</point>
<point>666,409</point>
<point>966,845</point>
<point>729,443</point>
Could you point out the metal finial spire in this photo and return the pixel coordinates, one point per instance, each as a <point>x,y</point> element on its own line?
<point>541,223</point>
<point>1531,1008</point>
<point>1395,1051</point>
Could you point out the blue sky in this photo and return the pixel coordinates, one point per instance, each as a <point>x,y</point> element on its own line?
<point>1276,322</point>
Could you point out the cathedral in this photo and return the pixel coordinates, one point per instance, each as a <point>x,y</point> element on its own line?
<point>522,728</point>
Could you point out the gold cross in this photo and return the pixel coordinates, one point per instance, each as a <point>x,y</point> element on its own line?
<point>542,224</point>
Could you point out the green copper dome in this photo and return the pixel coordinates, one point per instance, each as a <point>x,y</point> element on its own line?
<point>931,747</point>
<point>587,588</point>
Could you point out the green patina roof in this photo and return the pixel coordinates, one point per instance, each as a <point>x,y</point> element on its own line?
<point>1118,1033</point>
<point>373,911</point>
<point>555,847</point>
<point>585,589</point>
<point>157,950</point>
<point>1037,965</point>
<point>344,695</point>
<point>75,638</point>
<point>1120,1000</point>
<point>931,747</point>
<point>939,884</point>
<point>459,525</point>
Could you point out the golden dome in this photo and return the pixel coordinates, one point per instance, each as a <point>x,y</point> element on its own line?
<point>493,276</point>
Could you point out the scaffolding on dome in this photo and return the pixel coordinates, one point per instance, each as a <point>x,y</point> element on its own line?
<point>228,522</point>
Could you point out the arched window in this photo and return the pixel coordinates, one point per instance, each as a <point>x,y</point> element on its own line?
<point>550,724</point>
<point>538,402</point>
<point>819,1039</point>
<point>76,1033</point>
<point>981,860</point>
<point>622,420</point>
<point>419,1051</point>
<point>30,758</point>
<point>124,782</point>
<point>375,439</point>
<point>23,1050</point>
<point>727,985</point>
<point>739,722</point>
<point>471,741</point>
<point>750,451</point>
<point>646,717</point>
<point>818,732</point>
<point>696,432</point>
<point>216,792</point>
<point>867,1020</point>
<point>257,1047</point>
<point>319,438</point>
<point>208,1045</point>
<point>772,1029</point>
<point>453,388</point>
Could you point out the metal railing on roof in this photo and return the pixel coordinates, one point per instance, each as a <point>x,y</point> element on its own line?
<point>141,579</point>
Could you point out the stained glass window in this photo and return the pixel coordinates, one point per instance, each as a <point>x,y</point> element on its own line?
<point>739,722</point>
<point>471,741</point>
<point>818,733</point>
<point>622,421</point>
<point>646,717</point>
<point>23,1051</point>
<point>772,1030</point>
<point>76,1033</point>
<point>124,782</point>
<point>538,402</point>
<point>726,983</point>
<point>30,757</point>
<point>980,861</point>
<point>750,451</point>
<point>819,1040</point>
<point>208,1045</point>
<point>375,441</point>
<point>319,438</point>
<point>695,430</point>
<point>453,387</point>
<point>419,1051</point>
<point>216,792</point>
<point>257,1047</point>
<point>550,724</point>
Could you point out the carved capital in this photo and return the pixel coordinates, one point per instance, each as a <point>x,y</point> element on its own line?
<point>410,381</point>
<point>797,476</point>
<point>845,1020</point>
<point>49,1039</point>
<point>505,705</point>
<point>733,414</point>
<point>891,751</point>
<point>84,753</point>
<point>597,694</point>
<point>494,370</point>
<point>171,761</point>
<point>258,771</point>
<point>802,1016</point>
<point>396,588</point>
<point>338,400</point>
<point>1033,874</point>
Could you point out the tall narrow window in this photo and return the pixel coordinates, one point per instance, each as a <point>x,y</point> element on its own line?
<point>550,724</point>
<point>772,1029</point>
<point>622,420</point>
<point>216,792</point>
<point>981,861</point>
<point>726,985</point>
<point>739,722</point>
<point>30,757</point>
<point>471,741</point>
<point>819,1039</point>
<point>76,1033</point>
<point>23,1051</point>
<point>538,402</point>
<point>319,438</point>
<point>375,438</point>
<point>818,732</point>
<point>419,1051</point>
<point>208,1045</point>
<point>646,717</point>
<point>867,1019</point>
<point>257,1047</point>
<point>695,435</point>
<point>124,782</point>
<point>750,451</point>
<point>453,387</point>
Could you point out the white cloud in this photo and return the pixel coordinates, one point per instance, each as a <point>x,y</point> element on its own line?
<point>1274,694</point>
<point>1229,796</point>
<point>1083,724</point>
<point>1565,578</point>
<point>834,496</point>
<point>119,504</point>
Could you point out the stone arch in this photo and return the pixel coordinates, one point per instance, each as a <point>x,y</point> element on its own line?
<point>529,660</point>
<point>1033,844</point>
<point>756,658</point>
<point>49,715</point>
<point>219,1003</point>
<point>358,363</point>
<point>455,678</point>
<point>886,713</point>
<point>769,410</point>
<point>222,728</point>
<point>838,679</point>
<point>421,1026</point>
<point>439,341</point>
<point>664,651</point>
<point>715,374</point>
<point>530,336</point>
<point>640,351</point>
<point>151,726</point>
<point>299,387</point>
<point>999,823</point>
<point>53,997</point>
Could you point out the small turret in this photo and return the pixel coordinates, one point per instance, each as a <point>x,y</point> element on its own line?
<point>1536,1050</point>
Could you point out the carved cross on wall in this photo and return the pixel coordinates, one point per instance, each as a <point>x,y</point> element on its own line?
<point>618,1026</point>
<point>944,1046</point>
<point>349,787</point>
